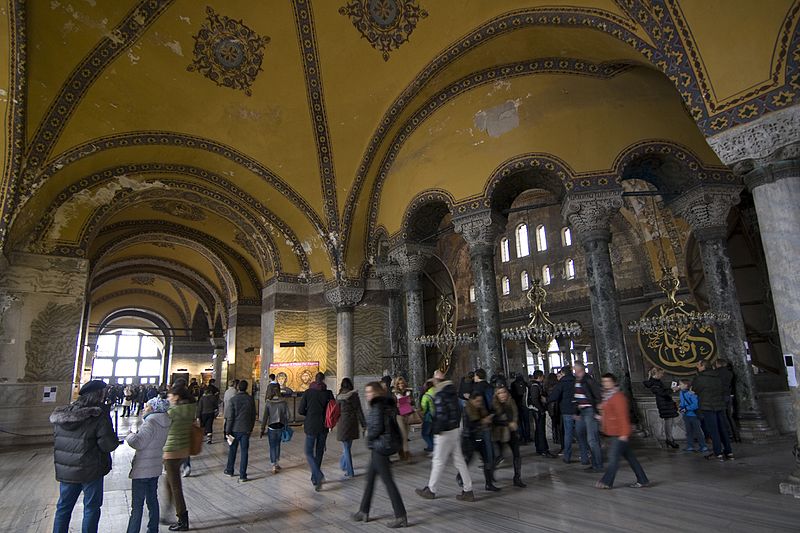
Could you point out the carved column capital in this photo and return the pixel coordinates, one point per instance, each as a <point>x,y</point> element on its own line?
<point>773,137</point>
<point>410,258</point>
<point>480,230</point>
<point>391,275</point>
<point>343,296</point>
<point>706,208</point>
<point>589,213</point>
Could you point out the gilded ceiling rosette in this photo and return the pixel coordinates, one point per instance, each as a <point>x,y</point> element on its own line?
<point>386,24</point>
<point>228,52</point>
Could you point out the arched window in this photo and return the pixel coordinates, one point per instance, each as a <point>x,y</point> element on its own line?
<point>546,275</point>
<point>505,252</point>
<point>523,248</point>
<point>524,280</point>
<point>128,356</point>
<point>566,237</point>
<point>506,285</point>
<point>569,269</point>
<point>541,238</point>
<point>472,294</point>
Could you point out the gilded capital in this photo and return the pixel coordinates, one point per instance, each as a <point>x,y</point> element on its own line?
<point>705,209</point>
<point>480,230</point>
<point>589,213</point>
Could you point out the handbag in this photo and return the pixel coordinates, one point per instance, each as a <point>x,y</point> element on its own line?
<point>195,439</point>
<point>286,434</point>
<point>404,406</point>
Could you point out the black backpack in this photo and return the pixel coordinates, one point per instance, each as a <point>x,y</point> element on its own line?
<point>447,410</point>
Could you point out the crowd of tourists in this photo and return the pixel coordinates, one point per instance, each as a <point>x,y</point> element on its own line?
<point>478,416</point>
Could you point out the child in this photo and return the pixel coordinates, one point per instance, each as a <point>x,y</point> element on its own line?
<point>688,408</point>
<point>147,463</point>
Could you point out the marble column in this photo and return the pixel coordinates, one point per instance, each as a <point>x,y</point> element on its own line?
<point>705,209</point>
<point>392,277</point>
<point>219,360</point>
<point>412,261</point>
<point>344,298</point>
<point>41,309</point>
<point>589,214</point>
<point>481,231</point>
<point>766,152</point>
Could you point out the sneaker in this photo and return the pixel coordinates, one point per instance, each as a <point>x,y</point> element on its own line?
<point>548,455</point>
<point>491,488</point>
<point>638,485</point>
<point>712,456</point>
<point>688,449</point>
<point>425,493</point>
<point>318,486</point>
<point>187,471</point>
<point>361,517</point>
<point>243,480</point>
<point>729,457</point>
<point>397,523</point>
<point>279,468</point>
<point>601,485</point>
<point>466,496</point>
<point>704,450</point>
<point>229,473</point>
<point>274,469</point>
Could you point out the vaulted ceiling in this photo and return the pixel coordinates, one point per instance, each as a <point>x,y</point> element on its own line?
<point>233,141</point>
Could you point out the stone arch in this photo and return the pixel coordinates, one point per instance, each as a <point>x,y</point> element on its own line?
<point>528,171</point>
<point>424,214</point>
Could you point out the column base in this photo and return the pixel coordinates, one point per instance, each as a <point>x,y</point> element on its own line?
<point>757,430</point>
<point>790,487</point>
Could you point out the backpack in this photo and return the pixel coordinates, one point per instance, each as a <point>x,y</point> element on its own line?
<point>332,414</point>
<point>447,410</point>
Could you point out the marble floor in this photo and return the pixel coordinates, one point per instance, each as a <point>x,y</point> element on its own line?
<point>688,494</point>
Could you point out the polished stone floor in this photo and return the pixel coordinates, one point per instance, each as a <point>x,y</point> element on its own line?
<point>688,494</point>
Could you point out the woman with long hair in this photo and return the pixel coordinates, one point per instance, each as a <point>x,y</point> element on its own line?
<point>405,407</point>
<point>275,421</point>
<point>504,431</point>
<point>351,421</point>
<point>176,449</point>
<point>667,410</point>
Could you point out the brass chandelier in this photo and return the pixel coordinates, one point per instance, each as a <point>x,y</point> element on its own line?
<point>541,331</point>
<point>446,339</point>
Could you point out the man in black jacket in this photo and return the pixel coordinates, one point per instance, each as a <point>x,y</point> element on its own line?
<point>537,400</point>
<point>564,394</point>
<point>313,406</point>
<point>83,441</point>
<point>519,393</point>
<point>710,390</point>
<point>240,417</point>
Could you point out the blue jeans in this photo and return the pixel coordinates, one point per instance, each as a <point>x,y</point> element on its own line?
<point>427,432</point>
<point>618,450</point>
<point>243,439</point>
<point>92,501</point>
<point>694,431</point>
<point>569,431</point>
<point>589,438</point>
<point>346,461</point>
<point>315,449</point>
<point>144,490</point>
<point>274,437</point>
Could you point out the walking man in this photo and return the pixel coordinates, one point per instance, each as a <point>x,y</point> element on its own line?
<point>313,405</point>
<point>537,400</point>
<point>587,397</point>
<point>240,417</point>
<point>447,439</point>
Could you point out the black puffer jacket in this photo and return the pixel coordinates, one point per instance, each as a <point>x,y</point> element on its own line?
<point>664,401</point>
<point>83,441</point>
<point>709,389</point>
<point>382,419</point>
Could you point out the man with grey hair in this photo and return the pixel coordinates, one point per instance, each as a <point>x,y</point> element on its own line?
<point>83,441</point>
<point>447,439</point>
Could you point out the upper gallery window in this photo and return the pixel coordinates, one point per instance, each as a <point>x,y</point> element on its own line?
<point>541,238</point>
<point>505,253</point>
<point>569,269</point>
<point>472,294</point>
<point>506,284</point>
<point>524,280</point>
<point>522,241</point>
<point>566,237</point>
<point>546,275</point>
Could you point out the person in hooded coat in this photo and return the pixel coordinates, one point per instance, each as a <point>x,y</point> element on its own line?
<point>83,441</point>
<point>274,422</point>
<point>147,463</point>
<point>667,410</point>
<point>351,421</point>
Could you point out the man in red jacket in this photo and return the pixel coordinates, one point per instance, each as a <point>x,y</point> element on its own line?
<point>617,425</point>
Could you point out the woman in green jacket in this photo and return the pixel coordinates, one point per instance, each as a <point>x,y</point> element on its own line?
<point>176,449</point>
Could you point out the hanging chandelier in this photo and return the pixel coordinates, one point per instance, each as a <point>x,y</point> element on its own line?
<point>673,315</point>
<point>446,339</point>
<point>541,331</point>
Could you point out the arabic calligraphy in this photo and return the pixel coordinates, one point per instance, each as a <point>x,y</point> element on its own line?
<point>677,351</point>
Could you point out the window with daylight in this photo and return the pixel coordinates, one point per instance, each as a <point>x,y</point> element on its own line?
<point>569,269</point>
<point>566,237</point>
<point>472,294</point>
<point>541,238</point>
<point>523,248</point>
<point>505,250</point>
<point>506,284</point>
<point>524,281</point>
<point>546,275</point>
<point>128,356</point>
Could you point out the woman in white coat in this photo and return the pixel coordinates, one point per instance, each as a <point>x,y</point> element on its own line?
<point>147,463</point>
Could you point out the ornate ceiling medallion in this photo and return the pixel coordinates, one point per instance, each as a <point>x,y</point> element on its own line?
<point>178,209</point>
<point>228,52</point>
<point>386,24</point>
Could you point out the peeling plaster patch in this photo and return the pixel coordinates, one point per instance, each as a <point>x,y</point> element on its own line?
<point>92,3</point>
<point>55,4</point>
<point>88,200</point>
<point>187,20</point>
<point>307,247</point>
<point>175,46</point>
<point>134,58</point>
<point>499,119</point>
<point>500,85</point>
